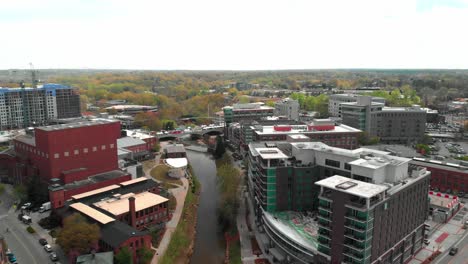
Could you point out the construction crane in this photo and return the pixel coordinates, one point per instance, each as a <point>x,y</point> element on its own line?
<point>34,81</point>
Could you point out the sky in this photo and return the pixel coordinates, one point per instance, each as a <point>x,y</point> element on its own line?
<point>233,35</point>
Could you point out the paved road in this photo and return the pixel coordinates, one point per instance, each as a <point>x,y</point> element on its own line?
<point>460,258</point>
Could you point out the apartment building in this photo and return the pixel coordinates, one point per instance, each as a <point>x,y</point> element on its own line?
<point>336,99</point>
<point>24,107</point>
<point>322,204</point>
<point>287,108</point>
<point>391,124</point>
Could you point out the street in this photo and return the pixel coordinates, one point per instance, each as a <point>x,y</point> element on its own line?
<point>460,258</point>
<point>24,245</point>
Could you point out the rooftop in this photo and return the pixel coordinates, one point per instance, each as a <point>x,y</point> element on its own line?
<point>93,213</point>
<point>94,192</point>
<point>177,162</point>
<point>76,125</point>
<point>440,164</point>
<point>303,129</point>
<point>134,181</point>
<point>271,153</point>
<point>120,206</point>
<point>351,186</point>
<point>175,148</point>
<point>26,139</point>
<point>442,200</point>
<point>115,233</point>
<point>296,226</point>
<point>137,134</point>
<point>126,142</point>
<point>96,258</point>
<point>131,107</point>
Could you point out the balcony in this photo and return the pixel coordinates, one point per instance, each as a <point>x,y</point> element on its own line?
<point>356,226</point>
<point>324,214</point>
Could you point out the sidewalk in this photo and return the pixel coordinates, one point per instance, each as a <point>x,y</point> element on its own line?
<point>179,194</point>
<point>244,233</point>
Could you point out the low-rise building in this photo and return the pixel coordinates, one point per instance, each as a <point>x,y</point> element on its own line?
<point>244,112</point>
<point>443,206</point>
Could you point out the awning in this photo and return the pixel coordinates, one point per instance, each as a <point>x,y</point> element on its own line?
<point>278,254</point>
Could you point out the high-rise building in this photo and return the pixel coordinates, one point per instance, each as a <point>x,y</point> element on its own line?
<point>288,108</point>
<point>336,99</point>
<point>243,112</point>
<point>24,107</point>
<point>390,124</point>
<point>321,204</point>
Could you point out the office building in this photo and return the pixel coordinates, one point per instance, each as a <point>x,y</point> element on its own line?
<point>287,108</point>
<point>244,112</point>
<point>322,204</point>
<point>25,107</point>
<point>324,130</point>
<point>390,124</point>
<point>335,100</point>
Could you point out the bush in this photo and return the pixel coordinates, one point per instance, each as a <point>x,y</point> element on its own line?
<point>30,230</point>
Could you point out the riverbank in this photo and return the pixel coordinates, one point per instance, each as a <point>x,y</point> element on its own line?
<point>180,247</point>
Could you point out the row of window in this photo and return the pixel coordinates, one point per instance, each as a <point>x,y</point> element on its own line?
<point>57,155</point>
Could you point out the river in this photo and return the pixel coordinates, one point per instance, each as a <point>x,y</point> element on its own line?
<point>208,248</point>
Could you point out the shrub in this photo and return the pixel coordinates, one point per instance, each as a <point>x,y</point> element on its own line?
<point>30,230</point>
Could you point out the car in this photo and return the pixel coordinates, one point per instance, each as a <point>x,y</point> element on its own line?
<point>35,209</point>
<point>53,256</point>
<point>453,251</point>
<point>25,206</point>
<point>426,241</point>
<point>47,248</point>
<point>43,241</point>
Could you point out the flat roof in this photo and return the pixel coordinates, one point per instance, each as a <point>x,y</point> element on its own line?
<point>271,153</point>
<point>351,186</point>
<point>126,142</point>
<point>137,134</point>
<point>130,182</point>
<point>440,200</point>
<point>26,139</point>
<point>302,129</point>
<point>175,148</point>
<point>76,125</point>
<point>120,206</point>
<point>93,213</point>
<point>100,190</point>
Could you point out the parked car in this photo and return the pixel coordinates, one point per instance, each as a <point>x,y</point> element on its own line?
<point>426,241</point>
<point>453,251</point>
<point>53,256</point>
<point>43,241</point>
<point>25,206</point>
<point>47,248</point>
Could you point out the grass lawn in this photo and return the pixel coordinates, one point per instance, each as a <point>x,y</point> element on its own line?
<point>160,174</point>
<point>182,237</point>
<point>148,164</point>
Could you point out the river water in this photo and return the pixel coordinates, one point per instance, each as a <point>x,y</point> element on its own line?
<point>208,248</point>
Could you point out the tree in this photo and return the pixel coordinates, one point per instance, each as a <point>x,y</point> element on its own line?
<point>124,256</point>
<point>37,191</point>
<point>78,235</point>
<point>2,188</point>
<point>145,255</point>
<point>20,192</point>
<point>220,148</point>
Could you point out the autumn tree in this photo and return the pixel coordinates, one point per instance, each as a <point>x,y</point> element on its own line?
<point>124,256</point>
<point>78,235</point>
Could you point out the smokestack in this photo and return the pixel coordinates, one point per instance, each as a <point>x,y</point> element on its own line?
<point>131,202</point>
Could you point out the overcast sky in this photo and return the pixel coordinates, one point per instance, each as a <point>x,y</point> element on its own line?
<point>234,35</point>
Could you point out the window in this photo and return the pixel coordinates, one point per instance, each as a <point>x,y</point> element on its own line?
<point>347,166</point>
<point>66,153</point>
<point>94,149</point>
<point>111,146</point>
<point>103,147</point>
<point>77,152</point>
<point>85,150</point>
<point>332,163</point>
<point>56,155</point>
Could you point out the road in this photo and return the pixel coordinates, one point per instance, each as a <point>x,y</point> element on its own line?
<point>460,258</point>
<point>24,245</point>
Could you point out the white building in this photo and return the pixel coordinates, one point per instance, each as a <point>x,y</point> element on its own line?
<point>288,108</point>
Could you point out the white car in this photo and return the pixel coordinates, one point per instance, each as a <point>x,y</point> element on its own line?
<point>47,248</point>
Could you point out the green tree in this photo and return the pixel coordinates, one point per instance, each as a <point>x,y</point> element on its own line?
<point>20,192</point>
<point>37,190</point>
<point>78,235</point>
<point>124,256</point>
<point>2,189</point>
<point>145,255</point>
<point>244,99</point>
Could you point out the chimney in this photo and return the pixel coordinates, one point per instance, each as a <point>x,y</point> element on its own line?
<point>131,202</point>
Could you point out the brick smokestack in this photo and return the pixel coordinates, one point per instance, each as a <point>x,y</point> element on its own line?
<point>131,202</point>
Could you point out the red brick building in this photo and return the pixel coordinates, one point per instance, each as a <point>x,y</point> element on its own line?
<point>445,176</point>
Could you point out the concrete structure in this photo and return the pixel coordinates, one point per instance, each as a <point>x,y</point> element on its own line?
<point>324,130</point>
<point>335,100</point>
<point>250,111</point>
<point>360,206</point>
<point>132,109</point>
<point>445,176</point>
<point>391,124</point>
<point>24,107</point>
<point>287,108</point>
<point>443,206</point>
